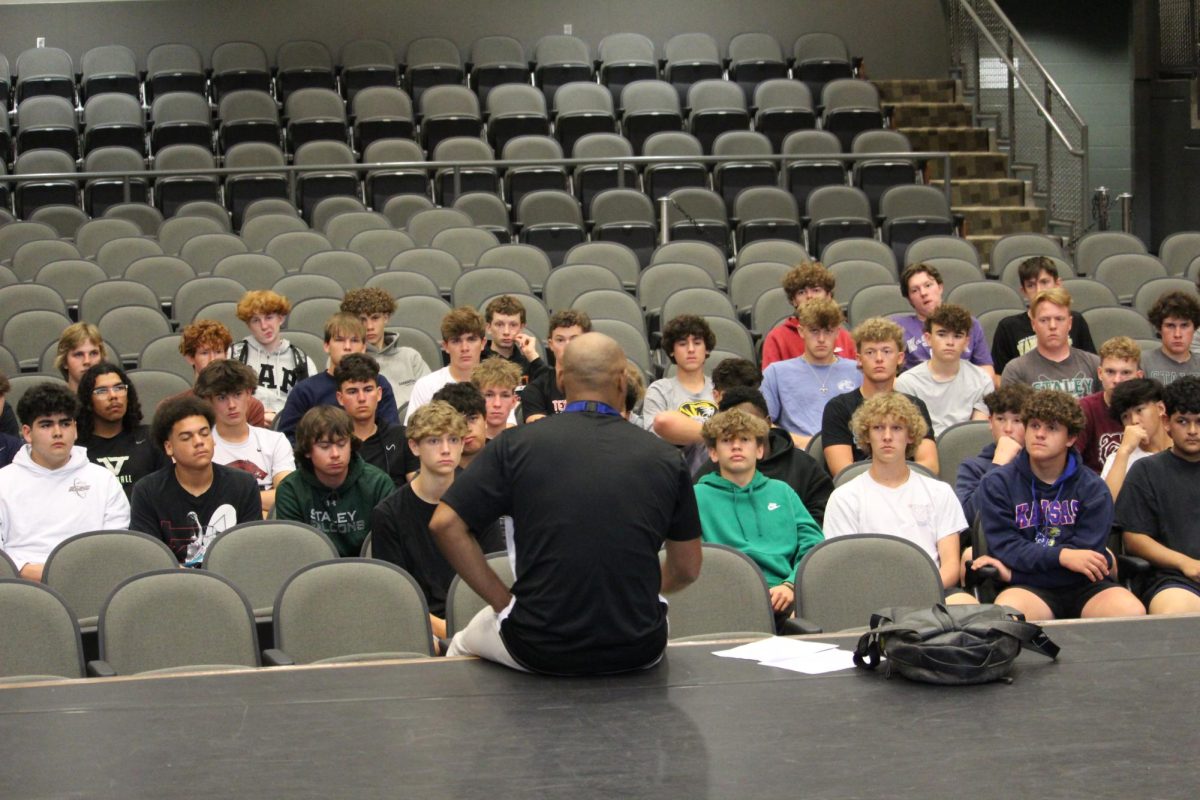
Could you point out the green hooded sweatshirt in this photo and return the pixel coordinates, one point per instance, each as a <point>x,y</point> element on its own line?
<point>344,513</point>
<point>765,520</point>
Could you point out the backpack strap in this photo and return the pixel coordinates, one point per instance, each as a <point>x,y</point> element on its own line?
<point>1028,634</point>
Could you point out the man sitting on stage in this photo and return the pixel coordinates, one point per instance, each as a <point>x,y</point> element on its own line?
<point>588,579</point>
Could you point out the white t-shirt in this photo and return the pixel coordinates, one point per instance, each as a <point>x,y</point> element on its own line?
<point>922,510</point>
<point>1137,455</point>
<point>948,401</point>
<point>264,455</point>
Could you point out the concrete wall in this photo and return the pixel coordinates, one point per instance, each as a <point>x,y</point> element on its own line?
<point>1087,49</point>
<point>917,48</point>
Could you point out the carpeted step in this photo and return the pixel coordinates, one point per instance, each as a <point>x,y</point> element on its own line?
<point>918,90</point>
<point>984,244</point>
<point>972,165</point>
<point>995,192</point>
<point>931,115</point>
<point>953,139</point>
<point>999,220</point>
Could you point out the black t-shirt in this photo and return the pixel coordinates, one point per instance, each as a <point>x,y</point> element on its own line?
<point>163,508</point>
<point>400,535</point>
<point>835,424</point>
<point>591,496</point>
<point>542,396</point>
<point>130,455</point>
<point>388,450</point>
<point>1156,500</point>
<point>1014,337</point>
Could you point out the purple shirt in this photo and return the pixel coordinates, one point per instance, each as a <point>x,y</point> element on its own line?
<point>916,351</point>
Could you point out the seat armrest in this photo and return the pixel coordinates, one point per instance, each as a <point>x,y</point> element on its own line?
<point>100,669</point>
<point>274,657</point>
<point>798,626</point>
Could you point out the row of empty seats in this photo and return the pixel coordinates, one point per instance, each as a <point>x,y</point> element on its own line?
<point>491,61</point>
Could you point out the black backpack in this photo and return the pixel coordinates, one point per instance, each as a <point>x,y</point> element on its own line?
<point>241,352</point>
<point>950,644</point>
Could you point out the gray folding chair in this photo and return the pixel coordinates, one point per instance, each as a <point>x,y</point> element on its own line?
<point>176,620</point>
<point>462,603</point>
<point>259,557</point>
<point>960,441</point>
<point>843,580</point>
<point>153,386</point>
<point>39,640</point>
<point>319,614</point>
<point>85,568</point>
<point>729,600</point>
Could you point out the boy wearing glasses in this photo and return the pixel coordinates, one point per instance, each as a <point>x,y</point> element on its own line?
<point>51,491</point>
<point>110,426</point>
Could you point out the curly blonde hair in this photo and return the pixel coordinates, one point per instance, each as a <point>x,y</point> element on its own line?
<point>878,329</point>
<point>888,405</point>
<point>435,418</point>
<point>820,314</point>
<point>734,422</point>
<point>496,371</point>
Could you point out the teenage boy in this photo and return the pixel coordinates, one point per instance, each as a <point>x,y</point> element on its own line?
<point>505,317</point>
<point>1139,405</point>
<point>466,400</point>
<point>400,523</point>
<point>498,380</point>
<point>1014,335</point>
<point>1047,520</point>
<point>51,491</point>
<point>334,490</point>
<point>893,499</point>
<point>401,366</point>
<point>1008,439</point>
<point>79,347</point>
<point>278,364</point>
<point>684,429</point>
<point>952,388</point>
<point>798,389</point>
<point>206,341</point>
<point>1053,363</point>
<point>1120,361</point>
<point>227,386</point>
<point>383,444</point>
<point>189,503</point>
<point>543,396</point>
<point>109,426</point>
<point>344,334</point>
<point>921,285</point>
<point>781,459</point>
<point>880,345</point>
<point>462,338</point>
<point>1154,509</point>
<point>687,340</point>
<point>744,509</point>
<point>806,282</point>
<point>1175,316</point>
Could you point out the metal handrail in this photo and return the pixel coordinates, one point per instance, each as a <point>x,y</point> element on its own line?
<point>1012,69</point>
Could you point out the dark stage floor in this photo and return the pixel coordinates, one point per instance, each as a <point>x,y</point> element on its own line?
<point>1116,716</point>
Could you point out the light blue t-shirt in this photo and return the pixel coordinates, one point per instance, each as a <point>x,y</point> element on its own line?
<point>797,391</point>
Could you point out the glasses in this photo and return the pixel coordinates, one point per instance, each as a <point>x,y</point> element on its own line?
<point>105,391</point>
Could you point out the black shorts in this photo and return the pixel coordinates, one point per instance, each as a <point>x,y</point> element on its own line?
<point>1168,580</point>
<point>1068,602</point>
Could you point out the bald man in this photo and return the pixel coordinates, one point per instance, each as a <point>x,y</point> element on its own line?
<point>592,499</point>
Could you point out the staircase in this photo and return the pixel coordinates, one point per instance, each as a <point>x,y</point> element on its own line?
<point>931,113</point>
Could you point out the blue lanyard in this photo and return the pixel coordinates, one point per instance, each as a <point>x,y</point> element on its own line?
<point>592,405</point>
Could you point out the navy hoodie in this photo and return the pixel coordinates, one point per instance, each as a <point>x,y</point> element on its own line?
<point>1026,521</point>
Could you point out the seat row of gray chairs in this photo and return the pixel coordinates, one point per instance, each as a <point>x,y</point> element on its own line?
<point>152,618</point>
<point>427,61</point>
